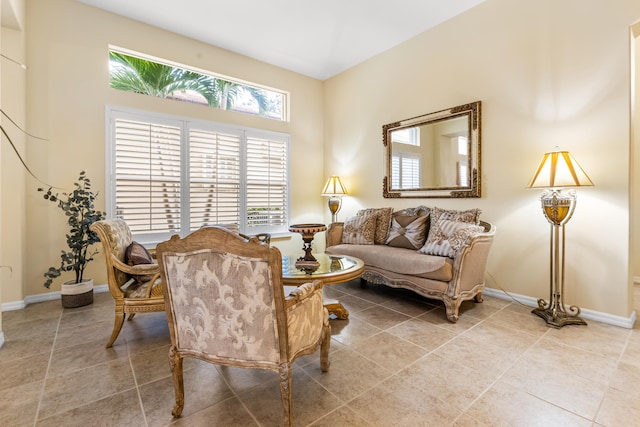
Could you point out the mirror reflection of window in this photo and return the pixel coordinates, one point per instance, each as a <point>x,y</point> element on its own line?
<point>463,145</point>
<point>460,148</point>
<point>406,171</point>
<point>463,174</point>
<point>409,136</point>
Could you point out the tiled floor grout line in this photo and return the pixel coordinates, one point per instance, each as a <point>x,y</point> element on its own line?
<point>46,374</point>
<point>137,386</point>
<point>234,394</point>
<point>346,403</point>
<point>499,377</point>
<point>608,385</point>
<point>327,390</point>
<point>394,373</point>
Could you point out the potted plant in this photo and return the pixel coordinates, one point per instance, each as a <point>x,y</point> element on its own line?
<point>79,208</point>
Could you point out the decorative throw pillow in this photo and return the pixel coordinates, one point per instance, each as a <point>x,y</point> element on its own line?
<point>417,211</point>
<point>359,230</point>
<point>447,237</point>
<point>383,222</point>
<point>471,215</point>
<point>407,231</point>
<point>137,254</point>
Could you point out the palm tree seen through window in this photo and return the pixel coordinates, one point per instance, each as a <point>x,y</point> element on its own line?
<point>139,75</point>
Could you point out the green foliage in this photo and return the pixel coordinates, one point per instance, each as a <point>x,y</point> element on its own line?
<point>151,78</point>
<point>79,208</point>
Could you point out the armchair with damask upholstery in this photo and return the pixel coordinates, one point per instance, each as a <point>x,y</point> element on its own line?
<point>226,305</point>
<point>135,288</point>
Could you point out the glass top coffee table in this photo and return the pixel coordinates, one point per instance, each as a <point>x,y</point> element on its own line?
<point>329,268</point>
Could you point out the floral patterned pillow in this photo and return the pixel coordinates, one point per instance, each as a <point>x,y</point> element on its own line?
<point>359,230</point>
<point>407,231</point>
<point>447,237</point>
<point>471,215</point>
<point>383,222</point>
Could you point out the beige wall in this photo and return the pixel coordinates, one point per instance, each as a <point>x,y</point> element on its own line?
<point>68,88</point>
<point>2,276</point>
<point>635,149</point>
<point>12,175</point>
<point>548,73</point>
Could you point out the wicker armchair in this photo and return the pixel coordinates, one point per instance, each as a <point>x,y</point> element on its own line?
<point>215,274</point>
<point>115,236</point>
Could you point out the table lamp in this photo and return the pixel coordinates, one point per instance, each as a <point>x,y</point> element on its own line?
<point>334,190</point>
<point>557,170</point>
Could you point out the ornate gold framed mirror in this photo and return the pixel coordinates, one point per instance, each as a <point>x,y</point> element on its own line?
<point>436,155</point>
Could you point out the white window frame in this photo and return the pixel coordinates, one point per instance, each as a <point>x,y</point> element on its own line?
<point>408,136</point>
<point>186,124</point>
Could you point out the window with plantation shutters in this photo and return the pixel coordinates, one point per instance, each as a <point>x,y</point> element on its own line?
<point>172,175</point>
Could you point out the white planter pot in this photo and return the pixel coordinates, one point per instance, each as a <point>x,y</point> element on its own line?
<point>77,294</point>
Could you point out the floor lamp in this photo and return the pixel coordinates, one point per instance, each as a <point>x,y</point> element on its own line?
<point>334,190</point>
<point>557,170</point>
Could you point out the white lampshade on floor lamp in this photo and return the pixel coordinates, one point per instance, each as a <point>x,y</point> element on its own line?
<point>558,170</point>
<point>334,189</point>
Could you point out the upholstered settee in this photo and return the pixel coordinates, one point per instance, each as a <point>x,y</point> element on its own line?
<point>439,254</point>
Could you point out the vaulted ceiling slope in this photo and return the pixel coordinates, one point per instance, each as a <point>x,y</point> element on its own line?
<point>319,39</point>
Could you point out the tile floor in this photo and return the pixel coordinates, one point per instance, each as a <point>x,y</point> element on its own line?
<point>397,361</point>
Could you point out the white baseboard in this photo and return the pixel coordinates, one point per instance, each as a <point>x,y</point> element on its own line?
<point>1,339</point>
<point>609,319</point>
<point>49,296</point>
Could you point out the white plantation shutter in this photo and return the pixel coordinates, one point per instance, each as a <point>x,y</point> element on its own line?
<point>267,184</point>
<point>170,175</point>
<point>214,178</point>
<point>395,172</point>
<point>406,171</point>
<point>147,176</point>
<point>410,172</point>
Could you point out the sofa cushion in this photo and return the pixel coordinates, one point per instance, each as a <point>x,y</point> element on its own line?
<point>398,260</point>
<point>359,230</point>
<point>383,222</point>
<point>407,231</point>
<point>447,237</point>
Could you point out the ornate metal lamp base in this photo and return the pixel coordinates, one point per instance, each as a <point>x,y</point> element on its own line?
<point>558,208</point>
<point>559,320</point>
<point>556,317</point>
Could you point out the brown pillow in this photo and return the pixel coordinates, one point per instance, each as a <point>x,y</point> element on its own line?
<point>137,254</point>
<point>383,222</point>
<point>408,231</point>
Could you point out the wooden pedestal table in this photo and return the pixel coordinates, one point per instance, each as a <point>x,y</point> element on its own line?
<point>330,269</point>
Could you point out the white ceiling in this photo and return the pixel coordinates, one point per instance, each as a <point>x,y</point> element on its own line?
<point>319,39</point>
